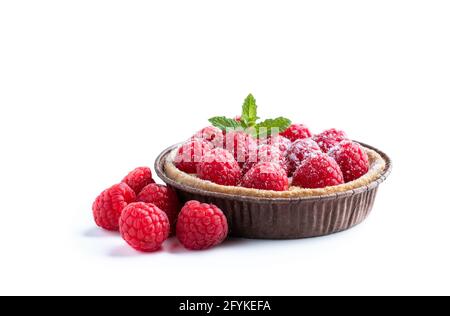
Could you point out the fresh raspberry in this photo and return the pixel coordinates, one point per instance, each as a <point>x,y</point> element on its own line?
<point>266,176</point>
<point>201,226</point>
<point>190,154</point>
<point>211,134</point>
<point>296,131</point>
<point>329,138</point>
<point>219,166</point>
<point>298,151</point>
<point>238,118</point>
<point>240,144</point>
<point>139,178</point>
<point>109,205</point>
<point>265,153</point>
<point>144,226</point>
<point>352,159</point>
<point>281,142</point>
<point>164,198</point>
<point>318,171</point>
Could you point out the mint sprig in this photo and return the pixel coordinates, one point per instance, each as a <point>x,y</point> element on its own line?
<point>278,125</point>
<point>249,121</point>
<point>224,123</point>
<point>249,112</point>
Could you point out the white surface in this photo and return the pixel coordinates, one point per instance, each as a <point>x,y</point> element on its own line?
<point>92,89</point>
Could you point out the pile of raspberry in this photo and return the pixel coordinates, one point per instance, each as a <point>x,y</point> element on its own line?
<point>295,157</point>
<point>146,214</point>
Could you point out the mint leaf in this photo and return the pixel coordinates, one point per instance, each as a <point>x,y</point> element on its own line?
<point>224,123</point>
<point>249,111</point>
<point>248,121</point>
<point>272,126</point>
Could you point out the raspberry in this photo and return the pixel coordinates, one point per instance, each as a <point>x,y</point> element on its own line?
<point>240,144</point>
<point>144,226</point>
<point>164,198</point>
<point>296,131</point>
<point>211,134</point>
<point>139,178</point>
<point>318,171</point>
<point>219,166</point>
<point>109,205</point>
<point>298,151</point>
<point>190,154</point>
<point>266,176</point>
<point>201,226</point>
<point>329,138</point>
<point>265,153</point>
<point>352,159</point>
<point>281,142</point>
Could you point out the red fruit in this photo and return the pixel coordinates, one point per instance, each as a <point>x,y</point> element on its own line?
<point>144,226</point>
<point>108,206</point>
<point>211,134</point>
<point>164,198</point>
<point>265,153</point>
<point>351,158</point>
<point>201,226</point>
<point>281,142</point>
<point>296,131</point>
<point>190,154</point>
<point>299,150</point>
<point>139,178</point>
<point>219,166</point>
<point>329,138</point>
<point>266,176</point>
<point>240,144</point>
<point>318,171</point>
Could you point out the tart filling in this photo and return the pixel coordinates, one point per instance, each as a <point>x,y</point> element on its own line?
<point>377,167</point>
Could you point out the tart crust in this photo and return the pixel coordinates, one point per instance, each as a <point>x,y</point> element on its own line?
<point>377,167</point>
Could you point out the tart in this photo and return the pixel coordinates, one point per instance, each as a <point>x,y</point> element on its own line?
<point>291,211</point>
<point>376,161</point>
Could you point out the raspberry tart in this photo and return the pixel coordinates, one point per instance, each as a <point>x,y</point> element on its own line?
<point>274,179</point>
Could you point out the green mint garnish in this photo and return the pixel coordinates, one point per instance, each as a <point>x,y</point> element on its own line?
<point>249,121</point>
<point>224,123</point>
<point>249,112</point>
<point>280,123</point>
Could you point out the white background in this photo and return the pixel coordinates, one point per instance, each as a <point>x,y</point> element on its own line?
<point>91,89</point>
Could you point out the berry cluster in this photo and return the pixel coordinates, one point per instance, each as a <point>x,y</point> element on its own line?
<point>313,161</point>
<point>244,151</point>
<point>146,214</point>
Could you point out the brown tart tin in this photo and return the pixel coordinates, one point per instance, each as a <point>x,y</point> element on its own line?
<point>285,218</point>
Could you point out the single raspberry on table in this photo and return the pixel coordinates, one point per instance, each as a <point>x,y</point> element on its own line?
<point>139,178</point>
<point>190,154</point>
<point>351,158</point>
<point>220,167</point>
<point>299,150</point>
<point>266,176</point>
<point>108,206</point>
<point>318,171</point>
<point>296,131</point>
<point>265,153</point>
<point>329,138</point>
<point>201,226</point>
<point>211,134</point>
<point>144,226</point>
<point>164,198</point>
<point>240,144</point>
